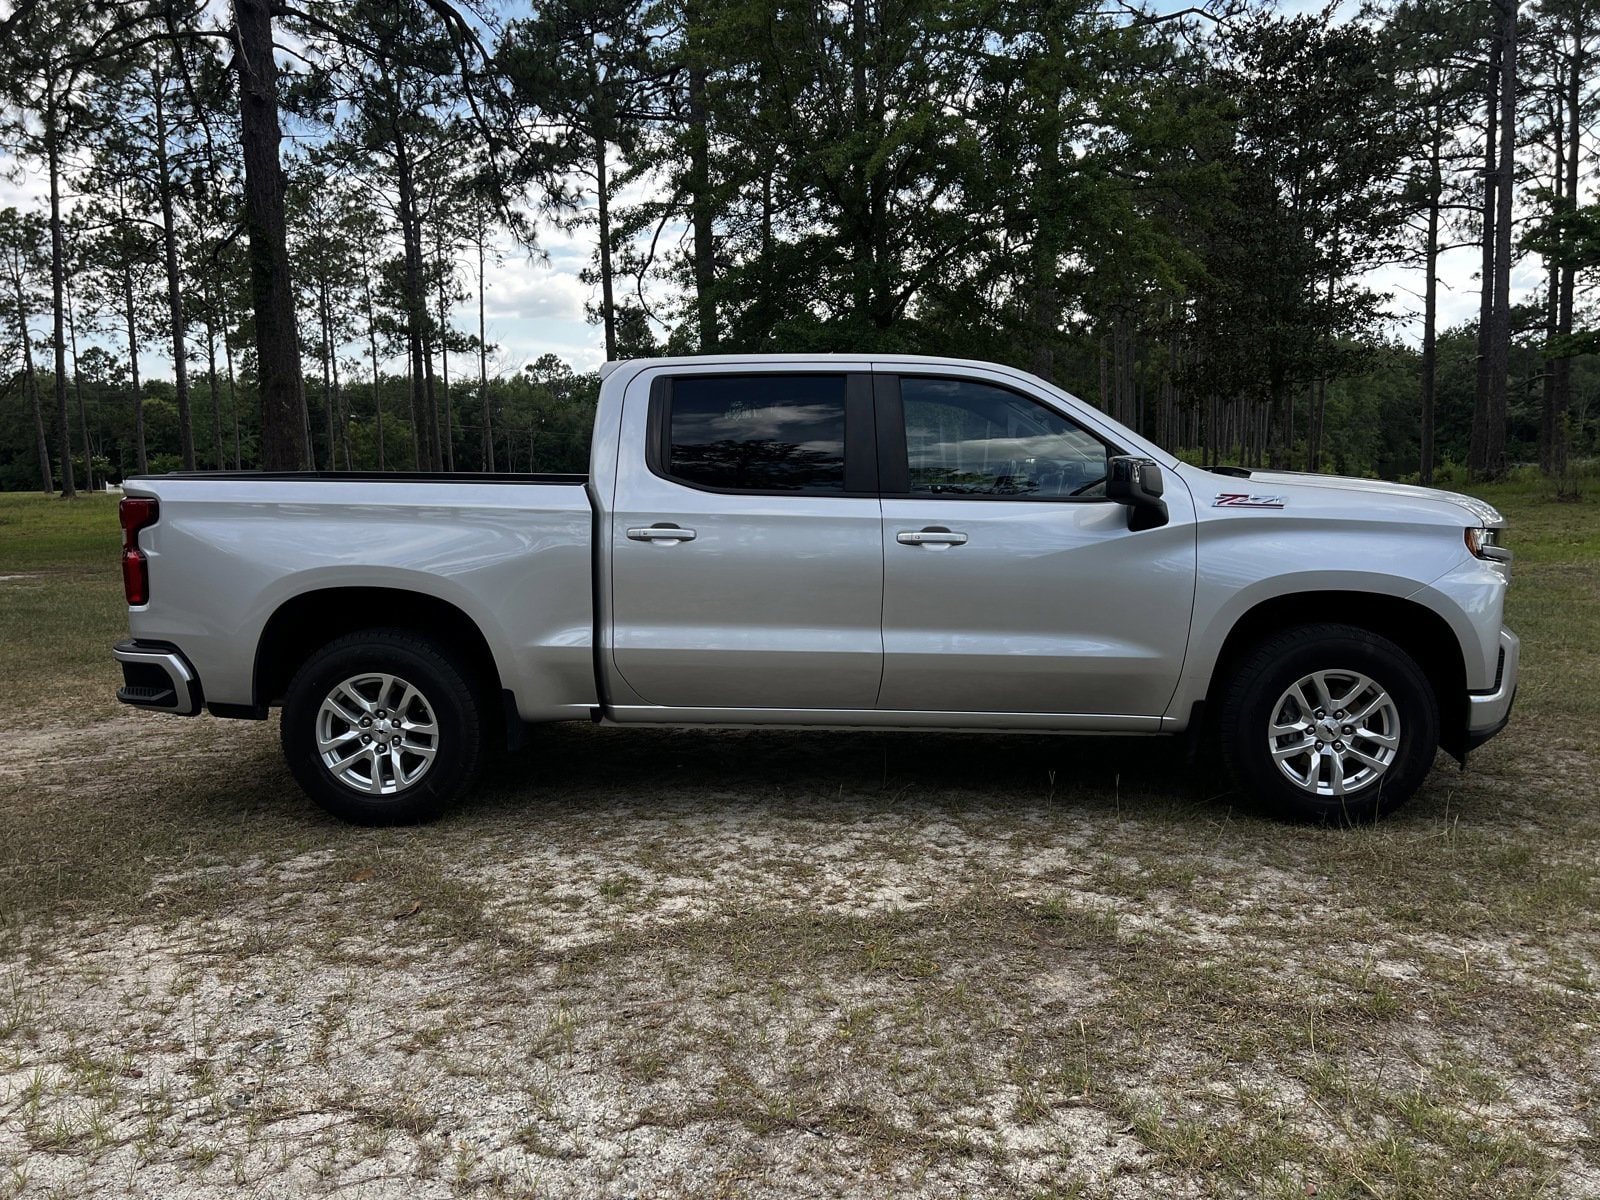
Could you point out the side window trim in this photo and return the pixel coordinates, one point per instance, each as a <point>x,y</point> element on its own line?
<point>860,449</point>
<point>894,470</point>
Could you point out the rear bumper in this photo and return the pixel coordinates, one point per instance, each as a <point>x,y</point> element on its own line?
<point>156,675</point>
<point>1489,710</point>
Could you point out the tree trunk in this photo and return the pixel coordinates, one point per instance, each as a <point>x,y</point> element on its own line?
<point>483,360</point>
<point>46,477</point>
<point>133,367</point>
<point>180,352</point>
<point>283,444</point>
<point>608,307</point>
<point>57,299</point>
<point>424,429</point>
<point>342,414</point>
<point>1430,301</point>
<point>1486,274</point>
<point>325,330</point>
<point>77,391</point>
<point>217,453</point>
<point>700,205</point>
<point>430,410</point>
<point>233,394</point>
<point>1561,390</point>
<point>372,343</point>
<point>1494,454</point>
<point>444,373</point>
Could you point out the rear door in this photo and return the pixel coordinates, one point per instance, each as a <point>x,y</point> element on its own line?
<point>745,540</point>
<point>1011,583</point>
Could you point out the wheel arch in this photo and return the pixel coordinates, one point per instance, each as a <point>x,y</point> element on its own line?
<point>303,623</point>
<point>1417,629</point>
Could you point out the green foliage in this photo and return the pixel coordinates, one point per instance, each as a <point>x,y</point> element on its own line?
<point>1174,216</point>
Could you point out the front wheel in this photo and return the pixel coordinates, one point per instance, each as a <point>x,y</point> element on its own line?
<point>1330,722</point>
<point>382,727</point>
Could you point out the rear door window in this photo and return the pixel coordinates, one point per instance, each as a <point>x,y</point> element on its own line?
<point>757,433</point>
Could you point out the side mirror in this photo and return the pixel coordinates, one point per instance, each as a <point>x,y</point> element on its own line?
<point>1137,483</point>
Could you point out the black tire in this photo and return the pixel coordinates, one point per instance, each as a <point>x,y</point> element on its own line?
<point>1258,695</point>
<point>439,683</point>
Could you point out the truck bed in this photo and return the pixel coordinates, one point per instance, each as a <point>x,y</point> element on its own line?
<point>233,551</point>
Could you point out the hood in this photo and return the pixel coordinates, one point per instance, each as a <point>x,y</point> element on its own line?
<point>1480,511</point>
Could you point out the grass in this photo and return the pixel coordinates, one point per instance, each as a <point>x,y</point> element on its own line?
<point>699,963</point>
<point>60,603</point>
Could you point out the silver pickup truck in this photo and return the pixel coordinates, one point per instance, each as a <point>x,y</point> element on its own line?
<point>877,542</point>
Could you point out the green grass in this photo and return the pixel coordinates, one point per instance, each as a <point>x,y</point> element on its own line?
<point>1091,975</point>
<point>61,605</point>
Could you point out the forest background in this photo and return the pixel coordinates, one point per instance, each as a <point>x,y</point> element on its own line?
<point>295,209</point>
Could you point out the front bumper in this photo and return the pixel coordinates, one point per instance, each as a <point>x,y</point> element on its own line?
<point>156,675</point>
<point>1488,711</point>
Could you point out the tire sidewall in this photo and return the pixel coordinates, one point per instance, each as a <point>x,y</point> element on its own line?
<point>1278,665</point>
<point>444,686</point>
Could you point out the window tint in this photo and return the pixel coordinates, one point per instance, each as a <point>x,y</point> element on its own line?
<point>971,439</point>
<point>759,433</point>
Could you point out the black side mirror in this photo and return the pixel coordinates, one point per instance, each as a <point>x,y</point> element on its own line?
<point>1137,483</point>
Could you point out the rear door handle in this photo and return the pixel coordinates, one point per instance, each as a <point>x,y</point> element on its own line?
<point>661,532</point>
<point>932,536</point>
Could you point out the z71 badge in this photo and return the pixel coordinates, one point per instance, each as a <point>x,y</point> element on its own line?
<point>1245,500</point>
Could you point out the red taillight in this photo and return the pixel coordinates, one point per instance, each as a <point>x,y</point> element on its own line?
<point>136,513</point>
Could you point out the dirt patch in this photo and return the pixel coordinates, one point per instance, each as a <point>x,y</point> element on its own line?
<point>794,965</point>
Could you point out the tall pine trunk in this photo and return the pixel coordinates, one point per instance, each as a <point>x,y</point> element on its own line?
<point>233,394</point>
<point>483,359</point>
<point>1494,454</point>
<point>1430,302</point>
<point>1554,445</point>
<point>218,456</point>
<point>372,344</point>
<point>1486,274</point>
<point>702,214</point>
<point>130,315</point>
<point>283,444</point>
<point>57,290</point>
<point>608,306</point>
<point>41,442</point>
<point>424,420</point>
<point>77,391</point>
<point>180,352</point>
<point>444,371</point>
<point>325,330</point>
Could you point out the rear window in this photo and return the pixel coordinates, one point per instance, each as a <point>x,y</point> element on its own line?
<point>758,433</point>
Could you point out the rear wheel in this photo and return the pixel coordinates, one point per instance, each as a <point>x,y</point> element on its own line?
<point>1330,722</point>
<point>382,727</point>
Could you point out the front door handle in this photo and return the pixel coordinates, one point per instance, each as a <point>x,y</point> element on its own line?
<point>662,531</point>
<point>934,535</point>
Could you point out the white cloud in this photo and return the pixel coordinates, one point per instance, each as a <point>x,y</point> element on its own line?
<point>520,290</point>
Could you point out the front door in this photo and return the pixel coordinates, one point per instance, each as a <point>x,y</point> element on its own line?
<point>1011,584</point>
<point>746,554</point>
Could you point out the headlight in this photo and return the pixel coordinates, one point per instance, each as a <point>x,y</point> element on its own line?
<point>1485,543</point>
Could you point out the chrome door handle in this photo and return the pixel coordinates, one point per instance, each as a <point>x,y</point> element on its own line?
<point>930,537</point>
<point>663,532</point>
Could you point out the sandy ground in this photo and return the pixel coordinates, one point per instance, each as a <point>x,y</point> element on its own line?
<point>783,972</point>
